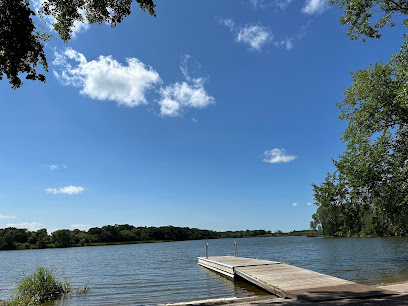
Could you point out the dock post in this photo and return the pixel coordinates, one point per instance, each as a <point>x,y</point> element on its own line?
<point>235,249</point>
<point>206,250</point>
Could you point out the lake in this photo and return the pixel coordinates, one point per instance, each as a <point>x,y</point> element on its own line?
<point>150,274</point>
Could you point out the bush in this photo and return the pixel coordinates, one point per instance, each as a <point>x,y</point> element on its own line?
<point>40,287</point>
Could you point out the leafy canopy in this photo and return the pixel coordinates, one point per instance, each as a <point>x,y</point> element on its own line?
<point>368,193</point>
<point>367,17</point>
<point>21,47</point>
<point>21,39</point>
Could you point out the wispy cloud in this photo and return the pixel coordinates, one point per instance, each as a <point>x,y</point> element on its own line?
<point>256,3</point>
<point>54,166</point>
<point>287,43</point>
<point>187,94</point>
<point>315,6</point>
<point>65,190</point>
<point>282,4</point>
<point>295,204</point>
<point>6,217</point>
<point>33,226</point>
<point>105,78</point>
<point>276,156</point>
<point>255,36</point>
<point>228,22</point>
<point>80,226</point>
<point>309,204</point>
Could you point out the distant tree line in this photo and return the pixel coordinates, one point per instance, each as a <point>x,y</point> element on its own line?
<point>12,238</point>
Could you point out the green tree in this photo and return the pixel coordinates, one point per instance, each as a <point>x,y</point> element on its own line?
<point>21,39</point>
<point>368,193</point>
<point>96,11</point>
<point>78,236</point>
<point>62,238</point>
<point>366,17</point>
<point>21,44</point>
<point>40,238</point>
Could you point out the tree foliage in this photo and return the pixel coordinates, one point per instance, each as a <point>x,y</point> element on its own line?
<point>21,45</point>
<point>95,11</point>
<point>368,193</point>
<point>21,38</point>
<point>366,17</point>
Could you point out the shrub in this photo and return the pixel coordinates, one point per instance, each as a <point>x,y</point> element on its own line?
<point>40,287</point>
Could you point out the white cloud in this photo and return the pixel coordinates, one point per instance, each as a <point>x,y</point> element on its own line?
<point>256,3</point>
<point>255,36</point>
<point>80,226</point>
<point>309,204</point>
<point>107,79</point>
<point>54,166</point>
<point>178,96</point>
<point>187,94</point>
<point>30,226</point>
<point>276,156</point>
<point>295,204</point>
<point>315,6</point>
<point>287,43</point>
<point>6,217</point>
<point>169,107</point>
<point>282,4</point>
<point>65,190</point>
<point>228,22</point>
<point>303,29</point>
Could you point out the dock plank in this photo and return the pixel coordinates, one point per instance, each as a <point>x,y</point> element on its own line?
<point>289,281</point>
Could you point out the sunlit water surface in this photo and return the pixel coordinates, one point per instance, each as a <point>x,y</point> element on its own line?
<point>150,274</point>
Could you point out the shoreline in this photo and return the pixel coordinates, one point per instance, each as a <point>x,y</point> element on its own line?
<point>27,246</point>
<point>400,298</point>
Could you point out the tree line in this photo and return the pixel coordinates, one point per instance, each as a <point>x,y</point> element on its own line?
<point>12,238</point>
<point>367,194</point>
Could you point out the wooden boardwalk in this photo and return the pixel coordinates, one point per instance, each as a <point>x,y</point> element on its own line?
<point>289,281</point>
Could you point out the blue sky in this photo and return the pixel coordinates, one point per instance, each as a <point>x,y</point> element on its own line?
<point>214,114</point>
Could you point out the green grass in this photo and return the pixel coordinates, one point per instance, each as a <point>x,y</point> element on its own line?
<point>42,286</point>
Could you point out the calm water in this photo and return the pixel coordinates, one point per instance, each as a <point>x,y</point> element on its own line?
<point>168,272</point>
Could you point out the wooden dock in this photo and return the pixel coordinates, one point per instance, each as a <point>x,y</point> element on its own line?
<point>289,281</point>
